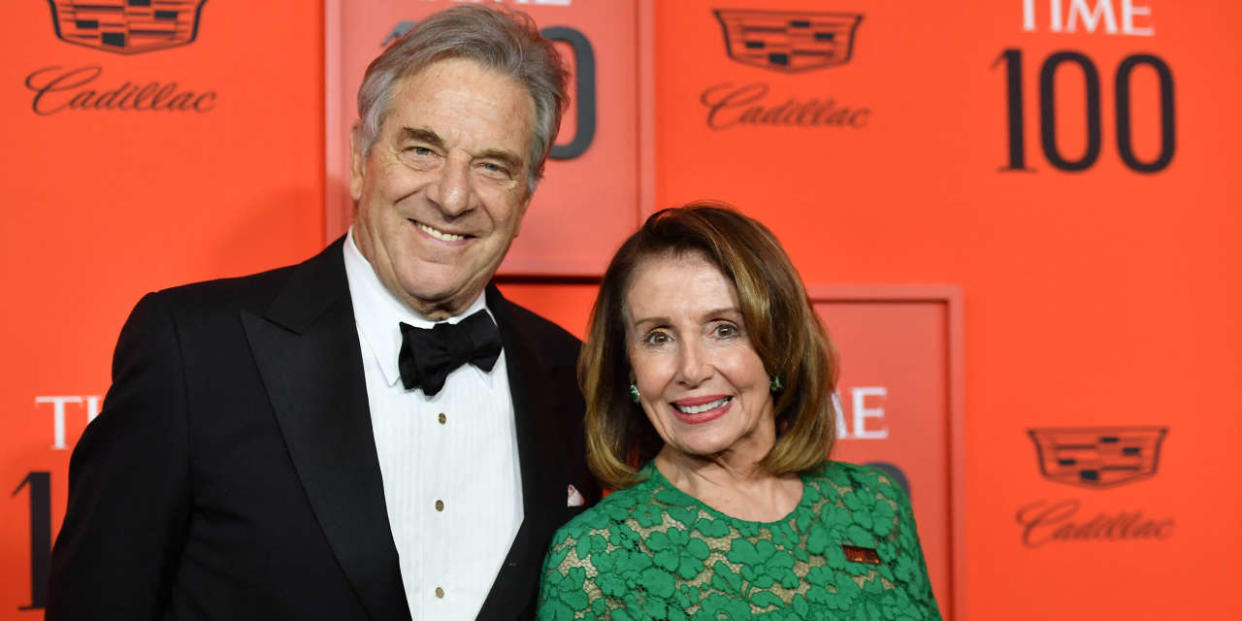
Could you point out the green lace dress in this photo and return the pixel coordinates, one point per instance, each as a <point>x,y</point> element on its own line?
<point>848,551</point>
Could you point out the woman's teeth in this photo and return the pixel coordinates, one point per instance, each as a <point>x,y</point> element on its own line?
<point>440,235</point>
<point>696,409</point>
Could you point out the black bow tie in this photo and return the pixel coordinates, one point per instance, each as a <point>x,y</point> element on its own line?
<point>429,355</point>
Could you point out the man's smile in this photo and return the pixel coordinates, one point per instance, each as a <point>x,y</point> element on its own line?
<point>439,235</point>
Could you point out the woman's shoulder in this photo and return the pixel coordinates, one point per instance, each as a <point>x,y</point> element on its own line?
<point>620,506</point>
<point>843,476</point>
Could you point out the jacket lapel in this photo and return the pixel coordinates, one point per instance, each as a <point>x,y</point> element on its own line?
<point>541,493</point>
<point>306,347</point>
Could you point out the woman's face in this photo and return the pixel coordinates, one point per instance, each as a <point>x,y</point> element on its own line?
<point>701,383</point>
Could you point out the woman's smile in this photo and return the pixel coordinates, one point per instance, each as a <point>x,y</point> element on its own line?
<point>698,410</point>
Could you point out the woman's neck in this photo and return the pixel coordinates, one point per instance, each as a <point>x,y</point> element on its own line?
<point>732,484</point>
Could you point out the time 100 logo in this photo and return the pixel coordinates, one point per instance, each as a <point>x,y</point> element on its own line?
<point>1122,117</point>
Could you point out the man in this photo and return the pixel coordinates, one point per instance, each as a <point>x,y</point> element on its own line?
<point>303,443</point>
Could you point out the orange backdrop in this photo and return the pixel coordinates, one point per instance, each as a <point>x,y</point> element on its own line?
<point>1062,165</point>
<point>1100,297</point>
<point>106,203</point>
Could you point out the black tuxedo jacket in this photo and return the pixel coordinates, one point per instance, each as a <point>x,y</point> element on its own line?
<point>232,473</point>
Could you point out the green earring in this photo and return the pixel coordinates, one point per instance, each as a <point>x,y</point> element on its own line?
<point>633,392</point>
<point>777,385</point>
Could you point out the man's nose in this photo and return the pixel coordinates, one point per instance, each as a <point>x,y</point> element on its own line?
<point>451,189</point>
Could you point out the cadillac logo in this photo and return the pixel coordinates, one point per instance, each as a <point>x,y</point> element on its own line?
<point>1098,457</point>
<point>789,41</point>
<point>126,26</point>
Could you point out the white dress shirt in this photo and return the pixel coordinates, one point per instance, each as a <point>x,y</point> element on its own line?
<point>452,481</point>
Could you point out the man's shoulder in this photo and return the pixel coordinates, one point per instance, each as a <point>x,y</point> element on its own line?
<point>225,290</point>
<point>252,291</point>
<point>549,337</point>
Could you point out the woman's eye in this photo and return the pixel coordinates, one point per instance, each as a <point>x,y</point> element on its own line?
<point>656,338</point>
<point>725,330</point>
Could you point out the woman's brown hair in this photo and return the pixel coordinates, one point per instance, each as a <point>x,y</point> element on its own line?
<point>780,321</point>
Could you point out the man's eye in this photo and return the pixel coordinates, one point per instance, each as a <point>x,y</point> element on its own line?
<point>419,151</point>
<point>496,170</point>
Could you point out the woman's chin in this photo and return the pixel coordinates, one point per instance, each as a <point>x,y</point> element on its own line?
<point>696,448</point>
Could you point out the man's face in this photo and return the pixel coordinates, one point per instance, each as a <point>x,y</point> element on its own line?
<point>442,192</point>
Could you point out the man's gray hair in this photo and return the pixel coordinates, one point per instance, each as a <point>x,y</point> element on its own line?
<point>503,40</point>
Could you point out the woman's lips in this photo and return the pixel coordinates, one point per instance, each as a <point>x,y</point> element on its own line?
<point>698,410</point>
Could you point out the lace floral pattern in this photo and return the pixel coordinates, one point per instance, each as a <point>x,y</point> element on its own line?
<point>654,552</point>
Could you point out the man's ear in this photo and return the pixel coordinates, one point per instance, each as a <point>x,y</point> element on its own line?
<point>357,161</point>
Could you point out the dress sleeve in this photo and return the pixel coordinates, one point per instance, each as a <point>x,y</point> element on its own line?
<point>911,567</point>
<point>123,531</point>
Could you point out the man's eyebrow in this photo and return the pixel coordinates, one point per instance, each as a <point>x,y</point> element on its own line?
<point>422,134</point>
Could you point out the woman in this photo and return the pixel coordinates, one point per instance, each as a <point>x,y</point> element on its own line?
<point>706,364</point>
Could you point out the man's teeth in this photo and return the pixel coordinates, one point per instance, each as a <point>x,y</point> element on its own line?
<point>695,409</point>
<point>440,235</point>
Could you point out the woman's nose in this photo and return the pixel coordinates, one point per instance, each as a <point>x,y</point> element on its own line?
<point>694,365</point>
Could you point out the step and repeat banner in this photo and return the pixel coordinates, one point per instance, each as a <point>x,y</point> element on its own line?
<point>1068,164</point>
<point>1017,218</point>
<point>146,144</point>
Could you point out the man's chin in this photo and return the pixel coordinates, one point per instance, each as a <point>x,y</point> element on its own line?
<point>438,298</point>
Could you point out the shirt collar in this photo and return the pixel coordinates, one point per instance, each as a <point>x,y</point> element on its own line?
<point>378,313</point>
